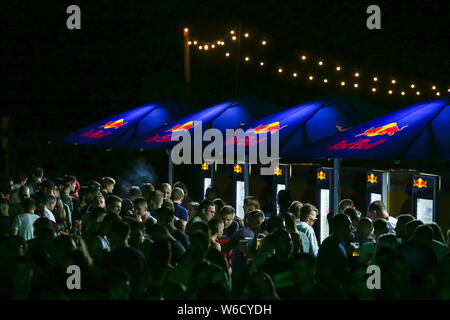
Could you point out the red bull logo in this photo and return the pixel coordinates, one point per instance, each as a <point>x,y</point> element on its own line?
<point>274,126</point>
<point>237,169</point>
<point>420,183</point>
<point>321,175</point>
<point>95,134</point>
<point>114,124</point>
<point>168,136</point>
<point>204,166</point>
<point>389,129</point>
<point>277,172</point>
<point>372,178</point>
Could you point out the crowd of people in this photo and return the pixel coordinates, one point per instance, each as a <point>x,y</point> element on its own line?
<point>157,243</point>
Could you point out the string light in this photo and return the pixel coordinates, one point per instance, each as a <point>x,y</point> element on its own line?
<point>320,62</point>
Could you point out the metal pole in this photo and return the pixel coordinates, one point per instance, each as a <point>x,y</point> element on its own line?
<point>238,57</point>
<point>187,59</point>
<point>336,191</point>
<point>170,174</point>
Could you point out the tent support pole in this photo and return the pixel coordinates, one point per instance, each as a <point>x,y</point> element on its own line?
<point>170,173</point>
<point>336,191</point>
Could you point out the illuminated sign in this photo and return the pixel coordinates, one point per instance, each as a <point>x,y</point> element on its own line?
<point>167,137</point>
<point>420,183</point>
<point>372,178</point>
<point>366,144</point>
<point>95,134</point>
<point>101,133</point>
<point>237,168</point>
<point>321,175</point>
<point>204,166</point>
<point>277,171</point>
<point>274,126</point>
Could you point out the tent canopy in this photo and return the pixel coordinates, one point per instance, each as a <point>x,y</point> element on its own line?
<point>420,131</point>
<point>119,128</point>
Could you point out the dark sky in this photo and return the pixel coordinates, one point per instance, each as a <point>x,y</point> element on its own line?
<point>130,52</point>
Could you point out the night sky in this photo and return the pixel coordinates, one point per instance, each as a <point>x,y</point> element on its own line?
<point>130,52</point>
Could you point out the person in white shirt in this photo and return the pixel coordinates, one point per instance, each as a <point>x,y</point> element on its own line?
<point>308,215</point>
<point>23,223</point>
<point>49,205</point>
<point>377,210</point>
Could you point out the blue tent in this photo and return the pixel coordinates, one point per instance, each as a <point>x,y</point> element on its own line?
<point>421,131</point>
<point>117,129</point>
<point>227,115</point>
<point>311,121</point>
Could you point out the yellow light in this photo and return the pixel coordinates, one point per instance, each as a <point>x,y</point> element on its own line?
<point>325,80</point>
<point>448,90</point>
<point>438,94</point>
<point>355,85</point>
<point>413,85</point>
<point>227,54</point>
<point>233,38</point>
<point>232,31</point>
<point>418,93</point>
<point>280,70</point>
<point>195,42</point>
<point>343,83</point>
<point>261,63</point>
<point>393,81</point>
<point>264,42</point>
<point>390,91</point>
<point>433,87</point>
<point>189,42</point>
<point>219,42</point>
<point>186,30</point>
<point>246,35</point>
<point>247,59</point>
<point>374,89</point>
<point>200,47</point>
<point>294,74</point>
<point>320,63</point>
<point>338,68</point>
<point>357,74</point>
<point>303,57</point>
<point>311,78</point>
<point>206,47</point>
<point>403,93</point>
<point>375,79</point>
<point>213,46</point>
